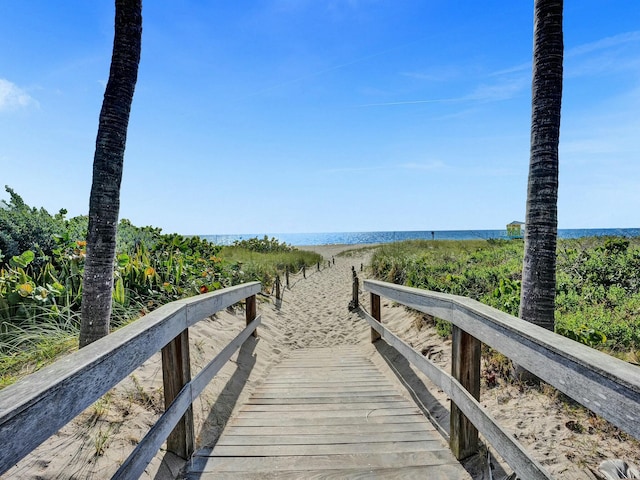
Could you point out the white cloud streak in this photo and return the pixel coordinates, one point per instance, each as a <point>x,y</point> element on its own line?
<point>13,97</point>
<point>604,43</point>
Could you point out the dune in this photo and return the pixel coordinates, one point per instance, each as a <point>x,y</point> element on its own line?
<point>314,312</point>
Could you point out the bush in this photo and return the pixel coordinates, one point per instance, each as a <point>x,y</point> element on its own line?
<point>263,245</point>
<point>597,281</point>
<point>24,228</point>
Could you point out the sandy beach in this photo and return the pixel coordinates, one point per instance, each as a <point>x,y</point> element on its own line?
<point>314,313</point>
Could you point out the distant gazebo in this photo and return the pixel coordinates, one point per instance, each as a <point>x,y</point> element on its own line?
<point>515,229</point>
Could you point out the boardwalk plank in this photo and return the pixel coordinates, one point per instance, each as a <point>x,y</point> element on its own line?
<point>330,449</point>
<point>305,407</point>
<point>233,438</point>
<point>438,472</point>
<point>201,462</point>
<point>278,420</point>
<point>323,415</point>
<point>330,429</point>
<point>364,415</point>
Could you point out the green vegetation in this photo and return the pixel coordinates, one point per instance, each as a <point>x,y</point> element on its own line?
<point>598,282</point>
<point>41,268</point>
<point>264,258</point>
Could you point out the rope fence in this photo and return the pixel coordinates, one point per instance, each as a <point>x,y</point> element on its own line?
<point>290,280</point>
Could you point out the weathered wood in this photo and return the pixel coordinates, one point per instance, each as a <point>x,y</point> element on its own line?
<point>203,306</point>
<point>134,465</point>
<point>324,449</point>
<point>176,373</point>
<point>339,391</point>
<point>377,314</point>
<point>438,472</point>
<point>289,422</point>
<point>362,428</point>
<point>319,391</point>
<point>255,419</point>
<point>513,453</point>
<point>232,438</point>
<point>305,407</point>
<point>250,311</point>
<point>606,385</point>
<point>203,462</point>
<point>356,290</point>
<point>465,368</point>
<point>39,405</point>
<point>362,414</point>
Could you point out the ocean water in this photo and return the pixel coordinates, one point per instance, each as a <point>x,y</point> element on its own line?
<point>354,238</point>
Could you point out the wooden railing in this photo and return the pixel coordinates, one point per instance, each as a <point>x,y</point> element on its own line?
<point>37,406</point>
<point>607,386</point>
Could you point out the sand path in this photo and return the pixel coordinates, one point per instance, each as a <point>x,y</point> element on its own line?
<point>314,311</point>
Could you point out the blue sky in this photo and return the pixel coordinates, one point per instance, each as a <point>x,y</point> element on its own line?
<point>284,116</point>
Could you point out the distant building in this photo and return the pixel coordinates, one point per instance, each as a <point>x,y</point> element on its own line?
<point>515,229</point>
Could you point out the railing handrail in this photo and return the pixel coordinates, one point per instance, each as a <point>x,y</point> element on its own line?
<point>606,385</point>
<point>37,406</point>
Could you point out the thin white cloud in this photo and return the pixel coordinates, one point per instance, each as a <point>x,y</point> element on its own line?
<point>413,102</point>
<point>423,166</point>
<point>502,90</point>
<point>13,97</point>
<point>353,169</point>
<point>441,74</point>
<point>604,43</point>
<point>523,67</point>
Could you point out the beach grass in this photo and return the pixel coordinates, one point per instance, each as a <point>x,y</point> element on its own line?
<point>598,282</point>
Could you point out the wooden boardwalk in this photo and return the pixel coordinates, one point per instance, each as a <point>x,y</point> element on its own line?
<point>327,413</point>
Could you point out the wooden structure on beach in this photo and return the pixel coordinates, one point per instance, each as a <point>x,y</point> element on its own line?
<point>515,229</point>
<point>338,386</point>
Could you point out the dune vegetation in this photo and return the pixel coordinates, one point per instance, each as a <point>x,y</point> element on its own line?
<point>598,282</point>
<point>41,267</point>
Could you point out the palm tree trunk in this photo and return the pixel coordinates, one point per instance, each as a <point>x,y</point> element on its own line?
<point>537,303</point>
<point>104,202</point>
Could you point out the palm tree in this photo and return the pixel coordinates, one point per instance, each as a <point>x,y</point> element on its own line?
<point>104,202</point>
<point>537,303</point>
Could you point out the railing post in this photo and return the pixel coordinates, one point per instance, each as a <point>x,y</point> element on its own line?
<point>278,295</point>
<point>176,373</point>
<point>286,274</point>
<point>465,367</point>
<point>356,289</point>
<point>318,266</point>
<point>377,314</point>
<point>250,311</point>
<point>304,272</point>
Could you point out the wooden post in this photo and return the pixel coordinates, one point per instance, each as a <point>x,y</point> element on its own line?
<point>286,274</point>
<point>304,272</point>
<point>278,295</point>
<point>318,266</point>
<point>465,367</point>
<point>356,288</point>
<point>250,312</point>
<point>377,314</point>
<point>176,373</point>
